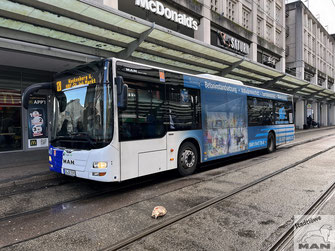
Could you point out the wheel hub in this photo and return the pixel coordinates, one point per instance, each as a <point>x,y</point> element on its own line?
<point>188,158</point>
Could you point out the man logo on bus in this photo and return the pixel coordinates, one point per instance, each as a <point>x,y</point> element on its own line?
<point>282,113</point>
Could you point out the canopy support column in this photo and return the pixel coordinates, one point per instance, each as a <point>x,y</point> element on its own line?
<point>126,53</point>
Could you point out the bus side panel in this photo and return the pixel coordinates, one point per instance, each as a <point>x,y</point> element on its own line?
<point>138,156</point>
<point>174,141</point>
<point>224,120</point>
<point>258,137</point>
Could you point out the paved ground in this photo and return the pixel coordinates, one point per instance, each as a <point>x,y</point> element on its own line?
<point>83,215</point>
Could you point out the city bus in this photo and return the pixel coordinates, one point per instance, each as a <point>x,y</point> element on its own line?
<point>115,120</point>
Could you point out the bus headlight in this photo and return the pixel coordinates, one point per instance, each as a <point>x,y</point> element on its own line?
<point>100,165</point>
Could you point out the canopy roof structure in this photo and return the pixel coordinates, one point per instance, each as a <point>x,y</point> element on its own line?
<point>93,28</point>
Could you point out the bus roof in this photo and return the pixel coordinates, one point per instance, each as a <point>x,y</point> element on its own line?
<point>221,79</point>
<point>204,76</point>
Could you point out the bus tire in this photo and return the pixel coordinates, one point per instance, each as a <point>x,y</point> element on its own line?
<point>271,147</point>
<point>187,159</point>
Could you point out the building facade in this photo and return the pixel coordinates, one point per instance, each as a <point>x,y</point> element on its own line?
<point>310,56</point>
<point>256,26</point>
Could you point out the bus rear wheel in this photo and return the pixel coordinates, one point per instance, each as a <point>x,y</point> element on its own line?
<point>271,147</point>
<point>187,159</point>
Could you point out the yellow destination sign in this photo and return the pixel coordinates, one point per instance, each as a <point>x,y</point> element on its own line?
<point>75,81</point>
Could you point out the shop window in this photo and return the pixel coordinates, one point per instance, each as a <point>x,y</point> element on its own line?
<point>10,120</point>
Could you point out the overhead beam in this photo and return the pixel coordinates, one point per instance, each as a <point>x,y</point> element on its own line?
<point>126,53</point>
<point>229,69</point>
<point>314,94</point>
<point>270,83</point>
<point>299,88</point>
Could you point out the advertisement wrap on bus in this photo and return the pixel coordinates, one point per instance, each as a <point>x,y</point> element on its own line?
<point>115,120</point>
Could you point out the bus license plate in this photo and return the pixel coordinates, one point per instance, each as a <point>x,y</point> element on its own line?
<point>69,172</point>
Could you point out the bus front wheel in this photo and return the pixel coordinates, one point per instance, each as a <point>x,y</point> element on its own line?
<point>187,159</point>
<point>271,147</point>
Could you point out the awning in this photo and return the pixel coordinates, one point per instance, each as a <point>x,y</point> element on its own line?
<point>112,33</point>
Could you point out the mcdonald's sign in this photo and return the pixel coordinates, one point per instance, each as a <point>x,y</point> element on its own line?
<point>10,97</point>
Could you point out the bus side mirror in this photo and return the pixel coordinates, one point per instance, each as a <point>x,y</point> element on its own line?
<point>62,101</point>
<point>122,93</point>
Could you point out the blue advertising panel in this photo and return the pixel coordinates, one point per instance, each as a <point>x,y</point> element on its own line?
<point>225,118</point>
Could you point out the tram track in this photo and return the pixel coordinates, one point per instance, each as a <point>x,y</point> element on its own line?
<point>142,181</point>
<point>285,241</point>
<point>154,180</point>
<point>174,219</point>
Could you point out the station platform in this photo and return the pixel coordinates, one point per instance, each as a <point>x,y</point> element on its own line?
<point>20,168</point>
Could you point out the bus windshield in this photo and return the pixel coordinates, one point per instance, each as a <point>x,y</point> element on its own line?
<point>83,114</point>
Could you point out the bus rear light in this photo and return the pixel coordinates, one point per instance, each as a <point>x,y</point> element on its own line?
<point>50,159</point>
<point>100,165</point>
<point>171,150</point>
<point>172,159</point>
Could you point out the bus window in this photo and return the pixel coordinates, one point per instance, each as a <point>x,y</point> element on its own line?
<point>260,112</point>
<point>284,113</point>
<point>144,116</point>
<point>184,107</point>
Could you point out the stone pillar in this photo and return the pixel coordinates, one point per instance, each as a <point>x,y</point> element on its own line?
<point>299,40</point>
<point>239,12</point>
<point>314,79</point>
<point>300,114</point>
<point>280,65</point>
<point>253,51</point>
<point>332,115</point>
<point>325,84</point>
<point>204,28</point>
<point>300,70</point>
<point>253,45</point>
<point>204,31</point>
<point>324,117</point>
<point>111,3</point>
<point>315,109</point>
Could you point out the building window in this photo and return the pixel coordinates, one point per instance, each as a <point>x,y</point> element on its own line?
<point>268,7</point>
<point>278,19</point>
<point>230,9</point>
<point>268,34</point>
<point>245,18</point>
<point>259,26</point>
<point>278,37</point>
<point>214,5</point>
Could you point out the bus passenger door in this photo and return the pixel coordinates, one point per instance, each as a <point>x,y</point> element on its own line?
<point>141,127</point>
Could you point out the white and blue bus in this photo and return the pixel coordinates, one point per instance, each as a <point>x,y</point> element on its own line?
<point>115,120</point>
